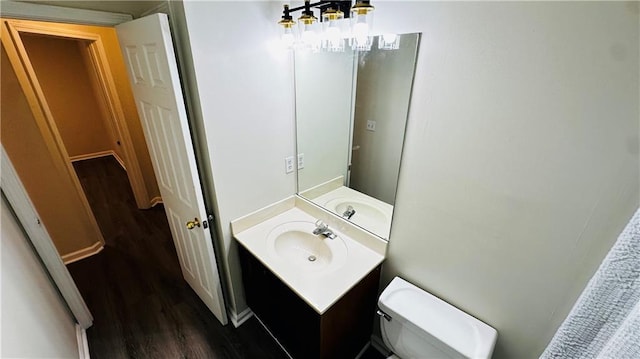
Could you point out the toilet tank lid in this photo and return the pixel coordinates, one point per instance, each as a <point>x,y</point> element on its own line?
<point>411,305</point>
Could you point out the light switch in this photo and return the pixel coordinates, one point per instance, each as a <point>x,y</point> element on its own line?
<point>371,125</point>
<point>288,164</point>
<point>300,161</point>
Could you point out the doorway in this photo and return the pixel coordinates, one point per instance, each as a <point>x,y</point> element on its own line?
<point>63,69</point>
<point>71,73</point>
<point>64,72</point>
<point>154,81</point>
<point>61,116</point>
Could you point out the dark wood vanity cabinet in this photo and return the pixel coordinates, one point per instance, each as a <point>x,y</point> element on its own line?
<point>341,332</point>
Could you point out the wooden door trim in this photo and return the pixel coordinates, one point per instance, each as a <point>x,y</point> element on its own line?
<point>98,57</point>
<point>44,119</point>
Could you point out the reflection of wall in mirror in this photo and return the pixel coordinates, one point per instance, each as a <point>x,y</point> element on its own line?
<point>382,95</point>
<point>324,83</point>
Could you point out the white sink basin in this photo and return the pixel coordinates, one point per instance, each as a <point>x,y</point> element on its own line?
<point>294,244</point>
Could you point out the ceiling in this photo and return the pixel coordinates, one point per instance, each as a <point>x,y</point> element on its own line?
<point>134,8</point>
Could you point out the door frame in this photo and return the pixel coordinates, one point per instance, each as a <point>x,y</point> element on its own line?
<point>28,217</point>
<point>11,39</point>
<point>42,12</point>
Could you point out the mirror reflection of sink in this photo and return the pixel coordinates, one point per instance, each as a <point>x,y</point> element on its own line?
<point>362,209</point>
<point>368,213</point>
<point>294,243</point>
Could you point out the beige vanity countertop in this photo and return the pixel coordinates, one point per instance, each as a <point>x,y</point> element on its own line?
<point>320,289</point>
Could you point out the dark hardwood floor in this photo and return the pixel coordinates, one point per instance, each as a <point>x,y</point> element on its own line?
<point>134,288</point>
<point>142,306</point>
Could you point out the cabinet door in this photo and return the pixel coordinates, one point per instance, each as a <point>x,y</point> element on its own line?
<point>341,332</point>
<point>347,326</point>
<point>287,316</point>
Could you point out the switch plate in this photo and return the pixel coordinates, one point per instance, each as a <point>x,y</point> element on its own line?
<point>371,125</point>
<point>288,164</point>
<point>300,161</point>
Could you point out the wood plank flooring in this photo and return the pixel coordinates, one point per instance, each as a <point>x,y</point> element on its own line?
<point>134,288</point>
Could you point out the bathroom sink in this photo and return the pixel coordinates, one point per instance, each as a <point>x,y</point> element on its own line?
<point>317,268</point>
<point>296,245</point>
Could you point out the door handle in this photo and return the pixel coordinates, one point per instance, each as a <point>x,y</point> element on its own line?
<point>193,224</point>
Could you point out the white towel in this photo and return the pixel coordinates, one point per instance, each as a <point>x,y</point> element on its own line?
<point>605,321</point>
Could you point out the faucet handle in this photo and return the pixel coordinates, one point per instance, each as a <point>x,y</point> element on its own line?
<point>321,225</point>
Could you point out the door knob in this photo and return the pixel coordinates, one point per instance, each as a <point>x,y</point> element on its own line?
<point>193,224</point>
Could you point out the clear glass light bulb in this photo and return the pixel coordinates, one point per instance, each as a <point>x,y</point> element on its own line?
<point>361,32</point>
<point>334,37</point>
<point>309,38</point>
<point>288,39</point>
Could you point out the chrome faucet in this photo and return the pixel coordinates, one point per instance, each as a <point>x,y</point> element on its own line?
<point>349,212</point>
<point>323,229</point>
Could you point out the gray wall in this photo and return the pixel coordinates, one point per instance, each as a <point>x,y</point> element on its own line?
<point>521,160</point>
<point>35,320</point>
<point>382,95</point>
<point>324,83</point>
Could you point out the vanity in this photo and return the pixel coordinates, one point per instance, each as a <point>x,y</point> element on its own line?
<point>311,263</point>
<point>315,294</point>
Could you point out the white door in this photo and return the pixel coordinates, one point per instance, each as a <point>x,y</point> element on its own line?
<point>148,53</point>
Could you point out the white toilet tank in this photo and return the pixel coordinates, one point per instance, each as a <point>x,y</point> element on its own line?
<point>416,324</point>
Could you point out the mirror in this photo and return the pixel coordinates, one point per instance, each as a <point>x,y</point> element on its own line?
<point>351,113</point>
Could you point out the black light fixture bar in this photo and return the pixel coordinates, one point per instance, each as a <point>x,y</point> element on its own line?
<point>333,35</point>
<point>344,6</point>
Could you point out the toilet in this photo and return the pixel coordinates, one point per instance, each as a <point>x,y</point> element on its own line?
<point>416,324</point>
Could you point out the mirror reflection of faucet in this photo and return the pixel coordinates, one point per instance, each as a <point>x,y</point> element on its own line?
<point>349,212</point>
<point>323,229</point>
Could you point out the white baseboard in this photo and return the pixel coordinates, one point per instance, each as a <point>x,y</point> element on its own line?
<point>83,253</point>
<point>378,344</point>
<point>83,344</point>
<point>99,154</point>
<point>238,319</point>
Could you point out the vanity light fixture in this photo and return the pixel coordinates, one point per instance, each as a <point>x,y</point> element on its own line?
<point>361,22</point>
<point>288,38</point>
<point>333,39</point>
<point>308,34</point>
<point>331,36</point>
